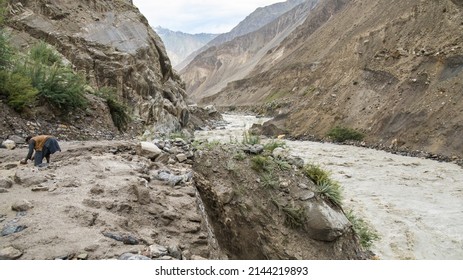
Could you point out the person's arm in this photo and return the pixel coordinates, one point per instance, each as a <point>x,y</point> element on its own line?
<point>31,150</point>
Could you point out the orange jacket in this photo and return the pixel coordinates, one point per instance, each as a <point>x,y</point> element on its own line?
<point>40,141</point>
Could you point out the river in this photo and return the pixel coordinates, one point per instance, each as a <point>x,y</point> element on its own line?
<point>415,204</point>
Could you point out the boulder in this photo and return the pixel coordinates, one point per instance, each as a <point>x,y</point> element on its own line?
<point>280,153</point>
<point>17,139</point>
<point>325,223</point>
<point>9,144</point>
<point>157,251</point>
<point>149,150</point>
<point>6,183</point>
<point>22,205</point>
<point>27,177</point>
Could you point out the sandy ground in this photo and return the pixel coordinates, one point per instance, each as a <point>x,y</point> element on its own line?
<point>416,205</point>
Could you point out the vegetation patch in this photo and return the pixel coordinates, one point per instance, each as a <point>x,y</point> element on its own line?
<point>250,139</point>
<point>261,163</point>
<point>326,186</point>
<point>269,181</point>
<point>365,233</point>
<point>295,216</point>
<point>119,112</point>
<point>342,134</point>
<point>273,144</point>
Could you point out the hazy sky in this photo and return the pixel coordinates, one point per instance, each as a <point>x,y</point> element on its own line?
<point>197,16</point>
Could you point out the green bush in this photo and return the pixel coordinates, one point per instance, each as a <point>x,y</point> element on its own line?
<point>44,54</point>
<point>269,181</point>
<point>342,134</point>
<point>249,139</point>
<point>18,89</point>
<point>366,235</point>
<point>261,163</point>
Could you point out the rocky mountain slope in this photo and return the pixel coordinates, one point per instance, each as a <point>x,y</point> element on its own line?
<point>257,19</point>
<point>215,67</point>
<point>180,45</point>
<point>391,69</point>
<point>113,45</point>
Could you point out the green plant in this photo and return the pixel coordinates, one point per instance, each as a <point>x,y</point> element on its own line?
<point>44,54</point>
<point>331,190</point>
<point>240,156</point>
<point>342,134</point>
<point>365,233</point>
<point>295,216</point>
<point>249,139</point>
<point>282,164</point>
<point>269,181</point>
<point>273,144</point>
<point>261,163</point>
<point>18,89</point>
<point>315,173</point>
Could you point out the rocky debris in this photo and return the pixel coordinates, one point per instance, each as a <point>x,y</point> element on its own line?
<point>22,206</point>
<point>11,227</point>
<point>171,179</point>
<point>82,256</point>
<point>10,253</point>
<point>254,149</point>
<point>17,139</point>
<point>205,119</point>
<point>156,251</point>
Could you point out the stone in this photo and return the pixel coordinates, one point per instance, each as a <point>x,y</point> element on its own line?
<point>22,205</point>
<point>255,149</point>
<point>10,253</point>
<point>307,196</point>
<point>27,178</point>
<point>133,257</point>
<point>296,161</point>
<point>17,139</point>
<point>174,251</point>
<point>210,109</point>
<point>181,157</point>
<point>157,251</point>
<point>83,256</point>
<point>143,194</point>
<point>325,223</point>
<point>40,189</point>
<point>280,153</point>
<point>9,144</point>
<point>124,238</point>
<point>9,229</point>
<point>2,190</point>
<point>6,183</point>
<point>148,150</point>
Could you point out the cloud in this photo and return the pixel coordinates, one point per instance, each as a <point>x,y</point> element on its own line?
<point>196,16</point>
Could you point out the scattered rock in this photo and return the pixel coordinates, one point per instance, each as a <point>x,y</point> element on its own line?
<point>6,183</point>
<point>124,238</point>
<point>148,150</point>
<point>17,139</point>
<point>83,256</point>
<point>173,180</point>
<point>254,149</point>
<point>143,194</point>
<point>10,253</point>
<point>307,196</point>
<point>10,166</point>
<point>21,206</point>
<point>174,251</point>
<point>133,257</point>
<point>157,251</point>
<point>2,190</point>
<point>181,157</point>
<point>27,178</point>
<point>280,153</point>
<point>9,229</point>
<point>40,189</point>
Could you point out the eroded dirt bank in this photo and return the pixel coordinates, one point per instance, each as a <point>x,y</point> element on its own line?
<point>414,204</point>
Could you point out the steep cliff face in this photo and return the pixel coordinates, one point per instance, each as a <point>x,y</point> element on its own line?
<point>112,43</point>
<point>392,69</point>
<point>214,68</point>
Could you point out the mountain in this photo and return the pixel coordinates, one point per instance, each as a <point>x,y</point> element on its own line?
<point>392,69</point>
<point>215,67</point>
<point>111,44</point>
<point>179,45</point>
<point>257,19</point>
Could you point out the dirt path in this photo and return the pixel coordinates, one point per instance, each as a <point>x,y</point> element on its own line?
<point>416,205</point>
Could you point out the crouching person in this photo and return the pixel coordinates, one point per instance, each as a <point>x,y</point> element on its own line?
<point>44,146</point>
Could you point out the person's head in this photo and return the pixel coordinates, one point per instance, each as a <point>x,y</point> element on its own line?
<point>28,138</point>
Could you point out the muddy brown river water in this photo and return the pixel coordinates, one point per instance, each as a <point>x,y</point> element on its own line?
<point>415,204</point>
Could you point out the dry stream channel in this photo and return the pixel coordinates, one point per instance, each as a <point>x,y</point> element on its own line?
<point>415,204</point>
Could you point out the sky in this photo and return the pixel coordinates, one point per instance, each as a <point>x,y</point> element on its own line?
<point>199,16</point>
